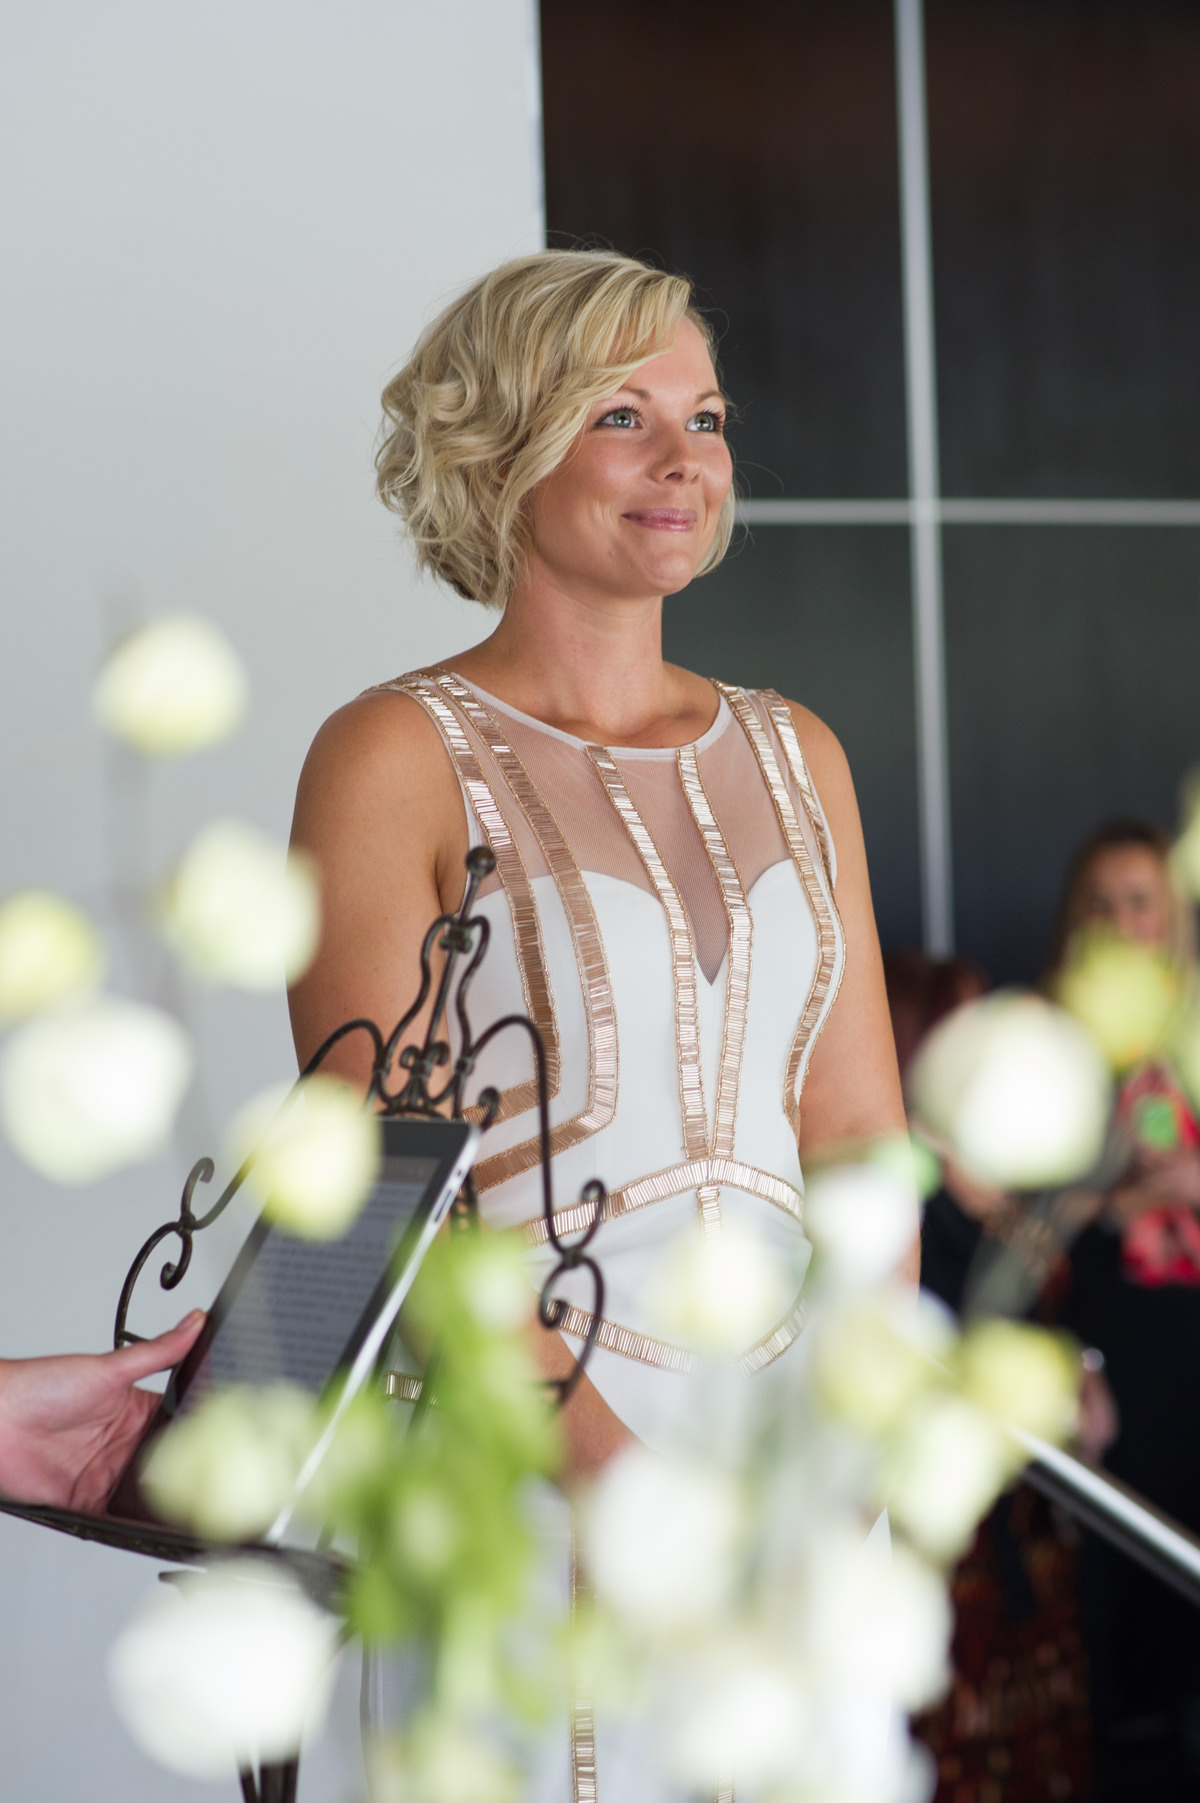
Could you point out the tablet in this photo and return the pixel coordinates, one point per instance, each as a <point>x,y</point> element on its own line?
<point>308,1311</point>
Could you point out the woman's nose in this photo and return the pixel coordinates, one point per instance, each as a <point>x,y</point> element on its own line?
<point>676,459</point>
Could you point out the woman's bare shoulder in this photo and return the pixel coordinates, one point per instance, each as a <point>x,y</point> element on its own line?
<point>381,737</point>
<point>377,765</point>
<point>821,746</point>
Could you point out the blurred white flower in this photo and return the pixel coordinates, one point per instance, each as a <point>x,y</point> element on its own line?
<point>743,1713</point>
<point>242,910</point>
<point>226,1469</point>
<point>721,1292</point>
<point>48,950</point>
<point>944,1469</point>
<point>1017,1088</point>
<point>1124,993</point>
<point>92,1088</point>
<point>862,1219</point>
<point>874,1357</point>
<point>314,1160</point>
<point>1022,1375</point>
<point>171,687</point>
<point>660,1538</point>
<point>223,1669</point>
<point>495,1288</point>
<point>876,1622</point>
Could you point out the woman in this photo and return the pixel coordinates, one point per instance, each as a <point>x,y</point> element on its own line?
<point>1135,1295</point>
<point>689,925</point>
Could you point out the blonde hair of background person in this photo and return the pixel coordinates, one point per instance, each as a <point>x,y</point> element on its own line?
<point>556,448</point>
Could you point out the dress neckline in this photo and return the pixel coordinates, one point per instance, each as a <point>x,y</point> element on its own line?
<point>708,737</point>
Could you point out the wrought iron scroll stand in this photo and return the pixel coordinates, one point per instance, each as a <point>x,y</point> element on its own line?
<point>462,937</point>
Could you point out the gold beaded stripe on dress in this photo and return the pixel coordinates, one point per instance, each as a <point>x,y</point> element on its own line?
<point>663,1356</point>
<point>675,1180</point>
<point>433,690</point>
<point>583,1721</point>
<point>588,946</point>
<point>782,721</point>
<point>824,987</point>
<point>510,868</point>
<point>737,978</point>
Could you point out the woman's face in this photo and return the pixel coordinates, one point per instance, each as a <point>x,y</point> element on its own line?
<point>632,511</point>
<point>1126,887</point>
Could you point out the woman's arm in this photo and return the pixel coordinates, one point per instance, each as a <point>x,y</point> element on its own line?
<point>380,809</point>
<point>852,1090</point>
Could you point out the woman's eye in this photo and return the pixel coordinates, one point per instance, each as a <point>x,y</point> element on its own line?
<point>620,416</point>
<point>707,421</point>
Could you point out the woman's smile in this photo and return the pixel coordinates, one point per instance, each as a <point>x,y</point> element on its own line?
<point>662,519</point>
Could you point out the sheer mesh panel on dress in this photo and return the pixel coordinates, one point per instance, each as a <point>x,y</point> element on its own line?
<point>563,779</point>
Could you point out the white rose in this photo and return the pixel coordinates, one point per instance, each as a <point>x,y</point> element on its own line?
<point>86,1091</point>
<point>171,687</point>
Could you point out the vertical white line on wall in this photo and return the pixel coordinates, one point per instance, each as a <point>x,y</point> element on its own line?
<point>533,78</point>
<point>920,372</point>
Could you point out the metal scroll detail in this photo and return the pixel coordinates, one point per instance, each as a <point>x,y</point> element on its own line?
<point>462,938</point>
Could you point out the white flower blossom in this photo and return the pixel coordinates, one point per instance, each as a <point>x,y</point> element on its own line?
<point>49,950</point>
<point>876,1354</point>
<point>87,1090</point>
<point>224,1669</point>
<point>314,1161</point>
<point>1022,1375</point>
<point>943,1471</point>
<point>172,687</point>
<point>876,1620</point>
<point>240,909</point>
<point>661,1537</point>
<point>1018,1090</point>
<point>863,1220</point>
<point>722,1291</point>
<point>737,1711</point>
<point>226,1469</point>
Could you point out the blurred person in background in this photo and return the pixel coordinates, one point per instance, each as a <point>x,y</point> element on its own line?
<point>1135,1295</point>
<point>1015,1726</point>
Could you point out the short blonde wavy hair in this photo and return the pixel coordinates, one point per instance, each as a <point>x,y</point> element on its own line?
<point>496,393</point>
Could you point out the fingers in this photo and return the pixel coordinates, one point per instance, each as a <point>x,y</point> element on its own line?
<point>148,1356</point>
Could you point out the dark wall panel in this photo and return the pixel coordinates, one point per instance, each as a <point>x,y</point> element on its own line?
<point>753,148</point>
<point>1073,660</point>
<point>1065,174</point>
<point>822,614</point>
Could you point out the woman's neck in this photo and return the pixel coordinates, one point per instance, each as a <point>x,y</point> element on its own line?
<point>592,668</point>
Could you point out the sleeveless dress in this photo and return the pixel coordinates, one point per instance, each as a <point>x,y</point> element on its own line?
<point>667,918</point>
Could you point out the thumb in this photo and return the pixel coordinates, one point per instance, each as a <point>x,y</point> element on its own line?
<point>147,1356</point>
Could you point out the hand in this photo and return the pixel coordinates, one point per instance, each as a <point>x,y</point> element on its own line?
<point>68,1425</point>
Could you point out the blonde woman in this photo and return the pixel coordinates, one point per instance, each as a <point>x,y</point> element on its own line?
<point>680,897</point>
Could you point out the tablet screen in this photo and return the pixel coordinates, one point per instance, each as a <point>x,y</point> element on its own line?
<point>294,1312</point>
<point>303,1311</point>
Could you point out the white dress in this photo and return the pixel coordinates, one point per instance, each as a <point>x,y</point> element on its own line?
<point>667,919</point>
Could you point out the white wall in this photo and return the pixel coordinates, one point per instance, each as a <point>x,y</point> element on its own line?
<point>222,225</point>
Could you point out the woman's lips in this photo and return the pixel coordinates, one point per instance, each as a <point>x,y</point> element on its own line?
<point>663,519</point>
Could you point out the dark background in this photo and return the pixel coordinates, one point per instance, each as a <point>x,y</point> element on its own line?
<point>754,148</point>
